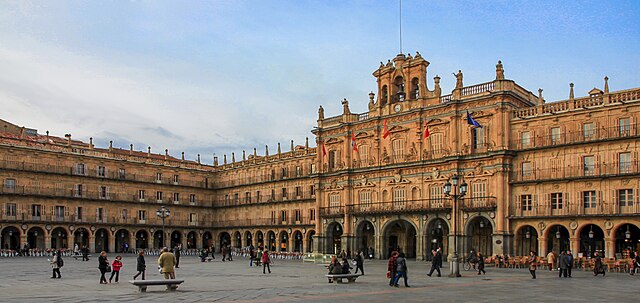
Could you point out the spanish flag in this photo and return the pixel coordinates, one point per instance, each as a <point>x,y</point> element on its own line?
<point>385,131</point>
<point>353,142</point>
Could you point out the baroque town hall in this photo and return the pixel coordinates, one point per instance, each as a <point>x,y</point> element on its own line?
<point>540,176</point>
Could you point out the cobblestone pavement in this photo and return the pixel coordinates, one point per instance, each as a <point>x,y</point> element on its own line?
<point>27,280</point>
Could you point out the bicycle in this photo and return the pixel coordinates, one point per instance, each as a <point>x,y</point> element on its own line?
<point>468,264</point>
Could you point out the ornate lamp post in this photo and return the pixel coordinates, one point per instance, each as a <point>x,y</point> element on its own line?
<point>455,193</point>
<point>163,213</point>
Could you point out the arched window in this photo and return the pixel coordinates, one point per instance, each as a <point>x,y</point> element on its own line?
<point>399,88</point>
<point>415,89</point>
<point>384,96</point>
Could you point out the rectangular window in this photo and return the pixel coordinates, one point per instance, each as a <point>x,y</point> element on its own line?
<point>102,171</point>
<point>273,174</point>
<point>589,199</point>
<point>312,214</point>
<point>526,202</point>
<point>298,192</point>
<point>624,160</point>
<point>121,173</point>
<point>334,200</point>
<point>142,215</point>
<point>313,168</point>
<point>436,143</point>
<point>312,190</point>
<point>624,126</point>
<point>555,135</point>
<point>176,197</point>
<point>104,192</point>
<point>80,170</point>
<point>78,190</point>
<point>58,211</point>
<point>192,198</point>
<point>588,165</point>
<point>247,197</point>
<point>284,193</point>
<point>273,194</point>
<point>10,209</point>
<point>587,131</point>
<point>79,213</point>
<point>285,173</point>
<point>334,159</point>
<point>625,197</point>
<point>141,194</point>
<point>398,195</point>
<point>363,153</point>
<point>159,177</point>
<point>159,196</point>
<point>36,211</point>
<point>283,215</point>
<point>236,198</point>
<point>193,217</point>
<point>479,189</point>
<point>556,201</point>
<point>100,214</point>
<point>365,198</point>
<point>10,184</point>
<point>525,138</point>
<point>298,215</point>
<point>477,138</point>
<point>398,149</point>
<point>526,169</point>
<point>258,197</point>
<point>176,179</point>
<point>298,171</point>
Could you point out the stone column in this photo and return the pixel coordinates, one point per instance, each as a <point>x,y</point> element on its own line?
<point>574,245</point>
<point>47,241</point>
<point>112,242</point>
<point>609,245</point>
<point>92,242</point>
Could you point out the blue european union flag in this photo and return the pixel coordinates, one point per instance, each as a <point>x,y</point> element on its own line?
<point>472,121</point>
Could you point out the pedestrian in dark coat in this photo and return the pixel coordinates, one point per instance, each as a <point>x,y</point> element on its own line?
<point>141,266</point>
<point>481,264</point>
<point>103,264</point>
<point>562,264</point>
<point>436,263</point>
<point>533,264</point>
<point>359,262</point>
<point>224,253</point>
<point>401,269</point>
<point>56,264</point>
<point>569,262</point>
<point>598,267</point>
<point>176,252</point>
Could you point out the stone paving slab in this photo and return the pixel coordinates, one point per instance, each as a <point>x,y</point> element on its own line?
<point>27,280</point>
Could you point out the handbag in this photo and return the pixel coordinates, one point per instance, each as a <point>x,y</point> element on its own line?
<point>108,269</point>
<point>388,275</point>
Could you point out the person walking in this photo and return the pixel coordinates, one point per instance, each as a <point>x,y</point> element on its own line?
<point>213,252</point>
<point>177,251</point>
<point>229,257</point>
<point>116,265</point>
<point>392,267</point>
<point>359,262</point>
<point>436,263</point>
<point>401,269</point>
<point>481,264</point>
<point>370,252</point>
<point>266,261</point>
<point>56,264</point>
<point>141,266</point>
<point>252,255</point>
<point>598,268</point>
<point>562,264</point>
<point>569,262</point>
<point>224,253</point>
<point>85,253</point>
<point>635,263</point>
<point>167,262</point>
<point>76,250</point>
<point>551,260</point>
<point>532,264</point>
<point>103,265</point>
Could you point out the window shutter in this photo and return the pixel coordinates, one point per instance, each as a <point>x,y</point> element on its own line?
<point>75,189</point>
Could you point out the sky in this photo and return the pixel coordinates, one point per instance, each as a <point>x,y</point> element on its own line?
<point>215,77</point>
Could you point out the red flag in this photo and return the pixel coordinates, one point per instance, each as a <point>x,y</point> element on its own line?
<point>385,131</point>
<point>324,150</point>
<point>353,142</point>
<point>426,131</point>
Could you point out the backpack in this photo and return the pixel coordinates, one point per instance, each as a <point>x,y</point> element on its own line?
<point>60,262</point>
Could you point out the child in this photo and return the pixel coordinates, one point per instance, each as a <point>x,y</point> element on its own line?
<point>116,265</point>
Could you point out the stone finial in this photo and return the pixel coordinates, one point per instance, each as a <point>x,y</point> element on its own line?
<point>437,89</point>
<point>182,156</point>
<point>499,71</point>
<point>148,151</point>
<point>225,159</point>
<point>320,113</point>
<point>540,94</point>
<point>266,150</point>
<point>418,55</point>
<point>198,158</point>
<point>306,143</point>
<point>345,107</point>
<point>571,96</point>
<point>255,152</point>
<point>166,154</point>
<point>606,85</point>
<point>233,157</point>
<point>215,160</point>
<point>130,149</point>
<point>244,156</point>
<point>91,142</point>
<point>371,101</point>
<point>5,130</point>
<point>279,150</point>
<point>291,147</point>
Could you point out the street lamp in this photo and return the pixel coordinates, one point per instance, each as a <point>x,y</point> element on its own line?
<point>627,234</point>
<point>455,193</point>
<point>163,213</point>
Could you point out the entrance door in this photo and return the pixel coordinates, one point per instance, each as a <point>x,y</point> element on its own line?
<point>393,244</point>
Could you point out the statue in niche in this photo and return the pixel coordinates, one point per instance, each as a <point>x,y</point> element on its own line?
<point>321,113</point>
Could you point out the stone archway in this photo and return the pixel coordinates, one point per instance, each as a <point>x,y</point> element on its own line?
<point>310,235</point>
<point>334,238</point>
<point>248,240</point>
<point>102,240</point>
<point>627,240</point>
<point>526,240</point>
<point>260,239</point>
<point>480,236</point>
<point>59,238</point>
<point>176,238</point>
<point>558,239</point>
<point>283,239</point>
<point>399,235</point>
<point>10,238</point>
<point>591,240</point>
<point>224,240</point>
<point>122,241</point>
<point>237,237</point>
<point>35,238</point>
<point>191,240</point>
<point>207,240</point>
<point>271,241</point>
<point>365,237</point>
<point>142,239</point>
<point>158,239</point>
<point>436,236</point>
<point>297,241</point>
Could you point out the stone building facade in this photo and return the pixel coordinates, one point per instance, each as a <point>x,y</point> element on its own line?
<point>541,176</point>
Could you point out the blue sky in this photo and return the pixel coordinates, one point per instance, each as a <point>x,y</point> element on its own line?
<point>221,76</point>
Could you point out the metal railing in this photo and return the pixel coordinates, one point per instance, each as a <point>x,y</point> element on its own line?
<point>574,208</point>
<point>578,136</point>
<point>603,169</point>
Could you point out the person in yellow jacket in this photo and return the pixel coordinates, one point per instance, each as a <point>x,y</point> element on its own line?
<point>166,262</point>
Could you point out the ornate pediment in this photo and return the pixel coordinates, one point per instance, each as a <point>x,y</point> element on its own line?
<point>364,182</point>
<point>397,129</point>
<point>436,121</point>
<point>398,179</point>
<point>363,135</point>
<point>333,141</point>
<point>333,186</point>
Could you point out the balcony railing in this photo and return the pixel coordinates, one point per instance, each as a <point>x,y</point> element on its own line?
<point>578,136</point>
<point>262,222</point>
<point>241,201</point>
<point>563,172</point>
<point>84,194</point>
<point>48,218</point>
<point>478,203</point>
<point>111,175</point>
<point>400,206</point>
<point>574,208</point>
<point>332,211</point>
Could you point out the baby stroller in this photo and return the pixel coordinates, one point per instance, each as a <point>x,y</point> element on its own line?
<point>599,269</point>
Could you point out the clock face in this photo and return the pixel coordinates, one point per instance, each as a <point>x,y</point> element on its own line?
<point>397,108</point>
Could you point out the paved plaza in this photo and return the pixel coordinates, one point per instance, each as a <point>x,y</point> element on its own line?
<point>27,280</point>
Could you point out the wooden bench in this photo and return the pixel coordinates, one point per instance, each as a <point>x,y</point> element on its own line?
<point>338,277</point>
<point>142,284</point>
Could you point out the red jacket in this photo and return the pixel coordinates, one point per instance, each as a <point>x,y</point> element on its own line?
<point>392,265</point>
<point>265,258</point>
<point>116,265</point>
